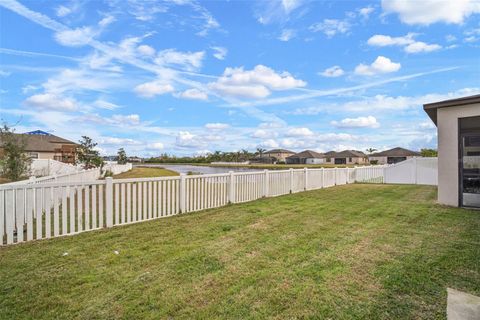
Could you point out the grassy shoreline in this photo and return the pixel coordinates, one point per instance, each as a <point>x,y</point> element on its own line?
<point>145,172</point>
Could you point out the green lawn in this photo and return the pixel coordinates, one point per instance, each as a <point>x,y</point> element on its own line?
<point>144,172</point>
<point>348,252</point>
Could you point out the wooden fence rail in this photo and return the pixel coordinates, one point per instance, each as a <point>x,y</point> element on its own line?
<point>44,210</point>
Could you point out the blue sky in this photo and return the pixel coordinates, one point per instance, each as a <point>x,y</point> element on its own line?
<point>188,77</point>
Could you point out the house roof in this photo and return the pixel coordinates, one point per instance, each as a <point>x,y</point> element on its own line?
<point>279,151</point>
<point>431,108</point>
<point>346,154</point>
<point>43,142</point>
<point>307,154</point>
<point>396,152</point>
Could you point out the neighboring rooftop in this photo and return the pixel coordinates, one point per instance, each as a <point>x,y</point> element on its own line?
<point>431,108</point>
<point>396,152</point>
<point>307,154</point>
<point>42,141</point>
<point>279,151</point>
<point>345,154</point>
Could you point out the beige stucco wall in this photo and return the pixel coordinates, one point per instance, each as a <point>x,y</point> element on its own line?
<point>45,155</point>
<point>279,156</point>
<point>447,124</point>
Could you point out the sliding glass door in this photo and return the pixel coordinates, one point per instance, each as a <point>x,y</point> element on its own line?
<point>470,162</point>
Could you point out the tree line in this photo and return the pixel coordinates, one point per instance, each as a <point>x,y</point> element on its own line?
<point>217,156</point>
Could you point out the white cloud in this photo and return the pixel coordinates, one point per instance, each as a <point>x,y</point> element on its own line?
<point>263,134</point>
<point>102,104</point>
<point>146,50</point>
<point>220,52</point>
<point>295,143</point>
<point>421,47</point>
<point>269,143</point>
<point>118,141</point>
<point>187,60</point>
<point>130,119</point>
<point>360,122</point>
<point>152,89</point>
<point>217,126</point>
<point>426,12</point>
<point>186,139</point>
<point>333,72</point>
<point>4,73</point>
<point>255,83</point>
<point>365,12</point>
<point>62,11</point>
<point>380,40</point>
<point>51,101</point>
<point>409,44</point>
<point>380,65</point>
<point>270,11</point>
<point>106,21</point>
<point>386,103</point>
<point>329,137</point>
<point>156,146</point>
<point>193,94</point>
<point>75,37</point>
<point>450,38</point>
<point>287,34</point>
<point>299,132</point>
<point>331,27</point>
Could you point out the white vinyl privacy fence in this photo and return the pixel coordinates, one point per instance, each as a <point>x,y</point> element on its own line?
<point>413,171</point>
<point>56,208</point>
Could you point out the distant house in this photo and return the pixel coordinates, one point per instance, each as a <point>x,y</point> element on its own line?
<point>43,145</point>
<point>306,157</point>
<point>279,154</point>
<point>135,159</point>
<point>394,155</point>
<point>346,157</point>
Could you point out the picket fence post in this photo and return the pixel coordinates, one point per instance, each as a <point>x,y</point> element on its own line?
<point>182,192</point>
<point>265,187</point>
<point>291,180</point>
<point>109,201</point>
<point>305,175</point>
<point>231,187</point>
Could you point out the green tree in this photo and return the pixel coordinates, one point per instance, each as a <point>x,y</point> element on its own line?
<point>371,150</point>
<point>87,155</point>
<point>121,156</point>
<point>14,162</point>
<point>429,152</point>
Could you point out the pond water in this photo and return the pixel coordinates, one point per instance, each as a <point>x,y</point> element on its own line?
<point>186,168</point>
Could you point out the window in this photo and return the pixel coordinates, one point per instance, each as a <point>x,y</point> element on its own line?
<point>33,155</point>
<point>329,159</point>
<point>349,159</point>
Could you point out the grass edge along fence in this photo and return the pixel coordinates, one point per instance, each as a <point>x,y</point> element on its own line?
<point>52,209</point>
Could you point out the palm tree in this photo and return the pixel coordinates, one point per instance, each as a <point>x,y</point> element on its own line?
<point>371,150</point>
<point>260,152</point>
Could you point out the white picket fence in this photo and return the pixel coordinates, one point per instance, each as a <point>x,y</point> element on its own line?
<point>46,209</point>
